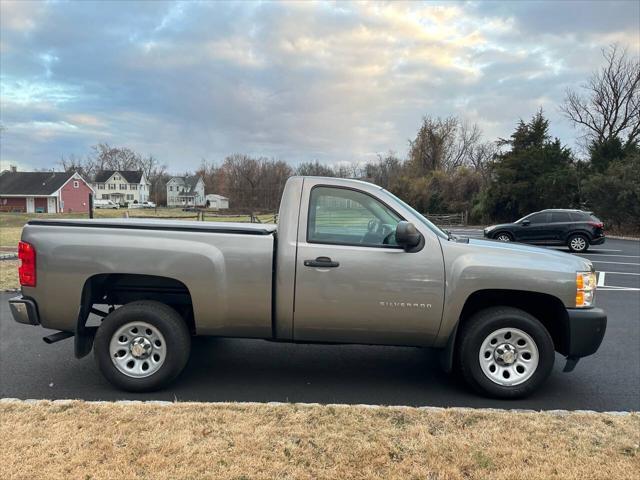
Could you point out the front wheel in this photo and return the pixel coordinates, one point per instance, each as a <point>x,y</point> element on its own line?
<point>504,237</point>
<point>578,243</point>
<point>142,346</point>
<point>504,352</point>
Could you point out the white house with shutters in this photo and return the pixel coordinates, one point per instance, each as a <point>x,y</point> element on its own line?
<point>121,186</point>
<point>186,192</point>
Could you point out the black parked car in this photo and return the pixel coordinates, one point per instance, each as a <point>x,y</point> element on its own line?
<point>574,228</point>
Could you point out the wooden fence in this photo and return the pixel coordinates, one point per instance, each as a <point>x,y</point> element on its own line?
<point>211,216</point>
<point>448,219</point>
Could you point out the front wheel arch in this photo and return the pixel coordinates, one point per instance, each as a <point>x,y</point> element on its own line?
<point>505,233</point>
<point>547,308</point>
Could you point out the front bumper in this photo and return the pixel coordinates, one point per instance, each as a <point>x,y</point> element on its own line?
<point>24,310</point>
<point>586,329</point>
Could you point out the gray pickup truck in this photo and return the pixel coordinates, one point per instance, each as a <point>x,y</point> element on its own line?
<point>348,262</point>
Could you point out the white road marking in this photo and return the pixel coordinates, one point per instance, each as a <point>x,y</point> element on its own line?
<point>597,249</point>
<point>621,273</point>
<point>611,288</point>
<point>601,279</point>
<point>607,255</point>
<point>615,263</point>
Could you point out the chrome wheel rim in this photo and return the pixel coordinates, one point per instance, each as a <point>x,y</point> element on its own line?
<point>504,238</point>
<point>138,349</point>
<point>509,357</point>
<point>578,243</point>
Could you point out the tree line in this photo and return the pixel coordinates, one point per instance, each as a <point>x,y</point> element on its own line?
<point>450,166</point>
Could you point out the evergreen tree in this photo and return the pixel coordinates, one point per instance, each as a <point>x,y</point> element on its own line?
<point>536,173</point>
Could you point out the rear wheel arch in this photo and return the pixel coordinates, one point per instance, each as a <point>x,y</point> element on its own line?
<point>584,233</point>
<point>582,239</point>
<point>121,289</point>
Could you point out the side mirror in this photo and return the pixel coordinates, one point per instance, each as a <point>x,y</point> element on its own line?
<point>526,223</point>
<point>407,235</point>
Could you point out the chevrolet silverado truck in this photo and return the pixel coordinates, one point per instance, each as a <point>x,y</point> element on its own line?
<point>348,262</point>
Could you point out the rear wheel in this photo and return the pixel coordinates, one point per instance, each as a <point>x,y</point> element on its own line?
<point>504,352</point>
<point>578,243</point>
<point>504,237</point>
<point>142,346</point>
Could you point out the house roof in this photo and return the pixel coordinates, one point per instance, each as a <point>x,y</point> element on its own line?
<point>190,181</point>
<point>32,183</point>
<point>131,176</point>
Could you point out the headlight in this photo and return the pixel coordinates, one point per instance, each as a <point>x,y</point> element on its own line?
<point>585,289</point>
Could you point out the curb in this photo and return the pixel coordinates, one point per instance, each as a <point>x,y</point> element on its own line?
<point>164,403</point>
<point>8,256</point>
<point>616,237</point>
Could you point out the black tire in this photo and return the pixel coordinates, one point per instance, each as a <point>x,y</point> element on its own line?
<point>167,321</point>
<point>503,234</point>
<point>576,241</point>
<point>479,327</point>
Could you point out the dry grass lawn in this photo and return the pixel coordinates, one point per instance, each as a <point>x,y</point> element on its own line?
<point>9,275</point>
<point>9,237</point>
<point>77,440</point>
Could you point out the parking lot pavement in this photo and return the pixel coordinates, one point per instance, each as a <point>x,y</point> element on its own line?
<point>262,371</point>
<point>257,370</point>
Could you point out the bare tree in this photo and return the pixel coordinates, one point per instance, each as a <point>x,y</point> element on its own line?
<point>242,178</point>
<point>73,163</point>
<point>385,170</point>
<point>107,157</point>
<point>480,157</point>
<point>610,107</point>
<point>212,175</point>
<point>315,169</point>
<point>443,144</point>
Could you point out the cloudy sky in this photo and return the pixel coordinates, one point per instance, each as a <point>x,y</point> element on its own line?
<point>296,81</point>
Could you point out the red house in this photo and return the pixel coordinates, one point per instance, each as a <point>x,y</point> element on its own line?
<point>43,192</point>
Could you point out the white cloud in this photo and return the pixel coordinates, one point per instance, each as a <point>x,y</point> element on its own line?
<point>298,81</point>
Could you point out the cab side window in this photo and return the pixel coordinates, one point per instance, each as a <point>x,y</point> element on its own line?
<point>538,218</point>
<point>347,217</point>
<point>579,217</point>
<point>560,217</point>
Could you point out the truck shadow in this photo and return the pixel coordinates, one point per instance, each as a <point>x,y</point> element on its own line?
<point>238,370</point>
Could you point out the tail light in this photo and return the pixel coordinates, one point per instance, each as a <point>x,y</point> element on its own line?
<point>27,268</point>
<point>596,224</point>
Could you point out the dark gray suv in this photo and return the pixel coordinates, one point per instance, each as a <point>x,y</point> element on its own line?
<point>576,229</point>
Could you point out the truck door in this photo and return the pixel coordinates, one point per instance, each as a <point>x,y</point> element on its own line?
<point>353,283</point>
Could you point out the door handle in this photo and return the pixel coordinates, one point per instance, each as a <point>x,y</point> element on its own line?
<point>321,262</point>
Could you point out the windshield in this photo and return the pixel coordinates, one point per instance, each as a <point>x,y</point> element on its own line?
<point>437,230</point>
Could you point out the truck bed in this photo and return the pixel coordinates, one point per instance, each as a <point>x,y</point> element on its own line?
<point>227,268</point>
